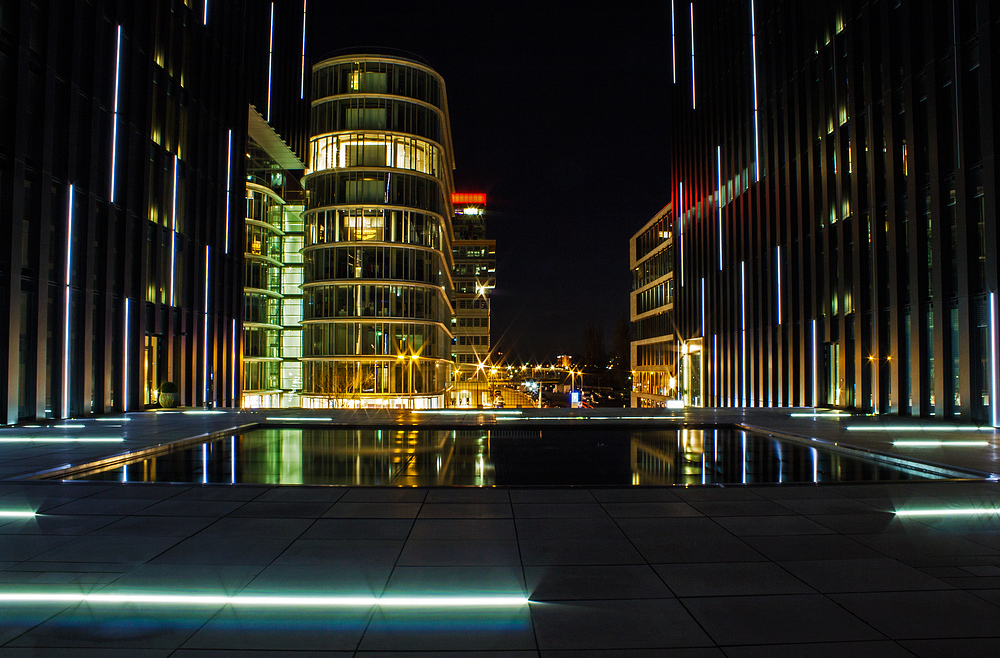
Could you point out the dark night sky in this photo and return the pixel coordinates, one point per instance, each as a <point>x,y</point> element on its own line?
<point>559,114</point>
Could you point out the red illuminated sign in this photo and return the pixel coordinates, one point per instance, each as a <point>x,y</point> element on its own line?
<point>468,197</point>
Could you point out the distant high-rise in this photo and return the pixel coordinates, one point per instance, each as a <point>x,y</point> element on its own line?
<point>378,236</point>
<point>835,196</point>
<point>475,278</point>
<point>121,194</point>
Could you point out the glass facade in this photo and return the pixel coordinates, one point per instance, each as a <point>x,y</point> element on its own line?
<point>377,293</point>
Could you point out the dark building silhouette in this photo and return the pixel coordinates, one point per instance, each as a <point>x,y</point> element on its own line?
<point>121,193</point>
<point>834,188</point>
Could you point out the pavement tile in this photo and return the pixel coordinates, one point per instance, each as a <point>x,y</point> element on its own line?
<point>880,648</point>
<point>449,629</point>
<point>187,507</point>
<point>703,652</point>
<point>777,619</point>
<point>730,579</point>
<point>153,526</point>
<point>862,575</point>
<point>383,495</point>
<point>635,495</point>
<point>727,508</point>
<point>618,581</point>
<point>566,528</point>
<point>468,495</point>
<point>579,550</point>
<point>24,547</point>
<point>93,548</point>
<point>731,493</point>
<point>465,511</point>
<point>818,506</point>
<point>335,579</point>
<point>56,524</point>
<point>346,552</point>
<point>282,509</point>
<point>303,494</point>
<point>656,509</point>
<point>220,579</point>
<point>459,552</point>
<point>372,510</point>
<point>558,510</point>
<point>854,524</point>
<point>918,615</point>
<point>456,581</point>
<point>620,624</point>
<point>911,547</point>
<point>206,549</point>
<point>551,496</point>
<point>359,529</point>
<point>299,629</point>
<point>783,548</point>
<point>951,647</point>
<point>745,526</point>
<point>483,529</point>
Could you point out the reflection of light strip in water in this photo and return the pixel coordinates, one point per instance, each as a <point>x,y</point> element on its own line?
<point>16,515</point>
<point>459,412</point>
<point>815,458</point>
<point>272,601</point>
<point>63,439</point>
<point>300,419</point>
<point>917,428</point>
<point>940,444</point>
<point>947,511</point>
<point>563,418</point>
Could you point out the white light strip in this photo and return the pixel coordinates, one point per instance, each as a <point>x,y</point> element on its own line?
<point>235,370</point>
<point>125,373</point>
<point>299,419</point>
<point>204,340</point>
<point>447,412</point>
<point>702,307</point>
<point>62,439</point>
<point>16,515</point>
<point>960,511</point>
<point>718,154</point>
<point>270,55</point>
<point>715,371</point>
<point>69,275</point>
<point>112,420</point>
<point>815,367</point>
<point>778,277</point>
<point>815,459</point>
<point>204,463</point>
<point>673,42</point>
<point>232,460</point>
<point>994,390</point>
<point>941,444</point>
<point>124,473</point>
<point>680,228</point>
<point>743,336</point>
<point>744,460</point>
<point>820,414</point>
<point>756,136</point>
<point>173,234</point>
<point>203,412</point>
<point>205,18</point>
<point>271,601</point>
<point>229,176</point>
<point>114,113</point>
<point>918,428</point>
<point>693,92</point>
<point>302,82</point>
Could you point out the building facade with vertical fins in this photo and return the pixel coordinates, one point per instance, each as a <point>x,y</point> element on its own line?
<point>121,185</point>
<point>834,182</point>
<point>378,292</point>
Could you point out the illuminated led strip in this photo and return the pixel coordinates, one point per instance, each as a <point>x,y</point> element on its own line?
<point>69,274</point>
<point>941,444</point>
<point>16,515</point>
<point>62,439</point>
<point>446,412</point>
<point>232,460</point>
<point>815,460</point>
<point>235,370</point>
<point>229,175</point>
<point>113,420</point>
<point>693,92</point>
<point>703,307</point>
<point>300,419</point>
<point>205,18</point>
<point>820,414</point>
<point>173,234</point>
<point>756,131</point>
<point>778,277</point>
<point>743,335</point>
<point>204,463</point>
<point>114,113</point>
<point>204,351</point>
<point>272,601</point>
<point>680,227</point>
<point>715,369</point>
<point>961,511</point>
<point>718,154</point>
<point>815,367</point>
<point>270,56</point>
<point>994,390</point>
<point>673,41</point>
<point>565,418</point>
<point>302,83</point>
<point>918,428</point>
<point>201,412</point>
<point>125,373</point>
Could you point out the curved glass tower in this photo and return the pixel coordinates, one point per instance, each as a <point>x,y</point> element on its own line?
<point>378,258</point>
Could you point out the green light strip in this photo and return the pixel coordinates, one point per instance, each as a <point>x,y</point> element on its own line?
<point>273,601</point>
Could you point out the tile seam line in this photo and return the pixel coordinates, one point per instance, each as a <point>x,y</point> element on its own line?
<point>524,577</point>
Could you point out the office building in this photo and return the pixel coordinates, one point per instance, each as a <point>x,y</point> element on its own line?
<point>834,183</point>
<point>475,278</point>
<point>654,349</point>
<point>120,183</point>
<point>378,237</point>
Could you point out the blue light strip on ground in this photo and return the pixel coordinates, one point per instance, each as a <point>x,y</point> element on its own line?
<point>272,601</point>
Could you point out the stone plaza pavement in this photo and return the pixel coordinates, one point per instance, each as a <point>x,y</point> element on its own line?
<point>766,570</point>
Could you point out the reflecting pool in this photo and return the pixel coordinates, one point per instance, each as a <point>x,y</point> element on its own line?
<point>485,457</point>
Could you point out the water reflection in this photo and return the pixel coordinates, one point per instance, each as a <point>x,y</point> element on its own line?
<point>481,457</point>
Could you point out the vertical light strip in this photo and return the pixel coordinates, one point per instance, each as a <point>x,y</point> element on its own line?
<point>702,307</point>
<point>124,473</point>
<point>125,377</point>
<point>994,407</point>
<point>815,460</point>
<point>204,349</point>
<point>205,17</point>
<point>114,113</point>
<point>270,56</point>
<point>815,367</point>
<point>69,275</point>
<point>756,130</point>
<point>778,277</point>
<point>204,463</point>
<point>744,460</point>
<point>715,372</point>
<point>718,154</point>
<point>229,176</point>
<point>302,82</point>
<point>673,41</point>
<point>173,234</point>
<point>232,460</point>
<point>235,370</point>
<point>694,104</point>
<point>743,335</point>
<point>680,229</point>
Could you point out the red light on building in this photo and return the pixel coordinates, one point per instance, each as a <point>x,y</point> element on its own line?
<point>468,197</point>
